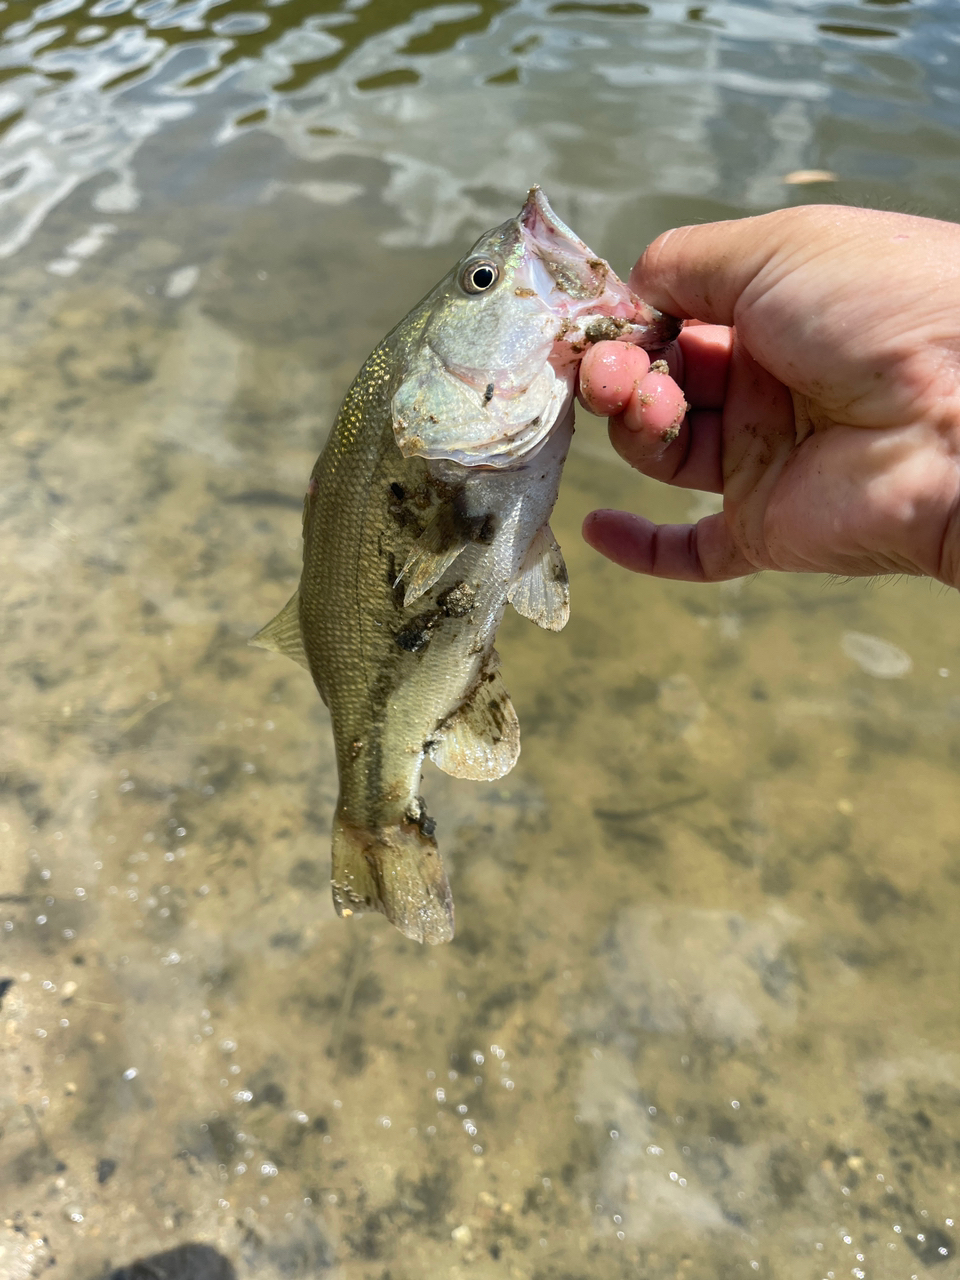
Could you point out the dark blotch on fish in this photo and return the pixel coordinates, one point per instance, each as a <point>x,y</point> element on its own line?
<point>456,524</point>
<point>483,528</point>
<point>401,505</point>
<point>413,639</point>
<point>426,824</point>
<point>415,636</point>
<point>497,715</point>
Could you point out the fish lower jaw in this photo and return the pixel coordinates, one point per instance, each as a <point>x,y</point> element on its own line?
<point>575,336</point>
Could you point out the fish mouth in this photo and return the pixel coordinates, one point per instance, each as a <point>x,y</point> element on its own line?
<point>574,275</point>
<point>576,283</point>
<point>540,221</point>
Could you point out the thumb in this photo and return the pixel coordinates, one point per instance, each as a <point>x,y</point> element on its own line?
<point>703,272</point>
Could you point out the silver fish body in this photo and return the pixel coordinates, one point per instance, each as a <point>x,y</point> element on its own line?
<point>426,513</point>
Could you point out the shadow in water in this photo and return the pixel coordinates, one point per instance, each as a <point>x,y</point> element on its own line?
<point>186,1262</point>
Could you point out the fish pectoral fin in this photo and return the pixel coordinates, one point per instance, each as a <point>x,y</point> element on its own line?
<point>432,555</point>
<point>282,634</point>
<point>541,591</point>
<point>481,739</point>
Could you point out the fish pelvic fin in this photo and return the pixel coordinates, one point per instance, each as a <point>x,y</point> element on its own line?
<point>481,739</point>
<point>282,634</point>
<point>396,871</point>
<point>541,591</point>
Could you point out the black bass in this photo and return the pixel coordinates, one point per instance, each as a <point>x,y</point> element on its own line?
<point>426,512</point>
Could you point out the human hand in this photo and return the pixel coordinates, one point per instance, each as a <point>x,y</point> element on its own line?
<point>823,390</point>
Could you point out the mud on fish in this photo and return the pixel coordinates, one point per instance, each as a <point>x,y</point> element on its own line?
<point>426,513</point>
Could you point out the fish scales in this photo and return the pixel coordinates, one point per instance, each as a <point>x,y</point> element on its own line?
<point>426,512</point>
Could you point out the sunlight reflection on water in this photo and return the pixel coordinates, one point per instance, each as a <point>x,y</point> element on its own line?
<point>465,98</point>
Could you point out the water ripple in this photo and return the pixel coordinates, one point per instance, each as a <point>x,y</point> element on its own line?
<point>459,96</point>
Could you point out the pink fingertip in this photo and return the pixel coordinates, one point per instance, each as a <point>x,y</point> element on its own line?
<point>658,405</point>
<point>609,375</point>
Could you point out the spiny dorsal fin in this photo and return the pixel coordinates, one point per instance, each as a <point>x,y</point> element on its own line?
<point>481,739</point>
<point>541,591</point>
<point>432,555</point>
<point>282,633</point>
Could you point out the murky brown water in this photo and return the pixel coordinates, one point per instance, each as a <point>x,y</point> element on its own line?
<point>700,1016</point>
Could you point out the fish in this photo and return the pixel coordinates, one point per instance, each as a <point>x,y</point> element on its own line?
<point>426,514</point>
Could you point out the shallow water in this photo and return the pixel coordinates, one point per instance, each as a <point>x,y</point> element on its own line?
<point>700,1016</point>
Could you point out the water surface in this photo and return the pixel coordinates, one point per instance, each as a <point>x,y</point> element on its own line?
<point>700,1016</point>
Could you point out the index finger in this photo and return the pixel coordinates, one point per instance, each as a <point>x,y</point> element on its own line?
<point>705,272</point>
<point>700,272</point>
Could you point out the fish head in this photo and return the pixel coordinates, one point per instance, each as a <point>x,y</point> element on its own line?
<point>491,362</point>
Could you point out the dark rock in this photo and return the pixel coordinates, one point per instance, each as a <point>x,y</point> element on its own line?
<point>186,1262</point>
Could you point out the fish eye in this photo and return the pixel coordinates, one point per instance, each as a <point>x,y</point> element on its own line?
<point>478,277</point>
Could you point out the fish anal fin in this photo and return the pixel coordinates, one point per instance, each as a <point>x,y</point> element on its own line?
<point>481,739</point>
<point>396,871</point>
<point>432,555</point>
<point>282,634</point>
<point>541,591</point>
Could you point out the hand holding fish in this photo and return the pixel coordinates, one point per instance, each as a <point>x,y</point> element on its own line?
<point>823,383</point>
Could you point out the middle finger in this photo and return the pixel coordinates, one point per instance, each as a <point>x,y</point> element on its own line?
<point>706,351</point>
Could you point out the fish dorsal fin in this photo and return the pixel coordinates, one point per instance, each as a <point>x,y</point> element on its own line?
<point>541,591</point>
<point>481,739</point>
<point>432,555</point>
<point>282,633</point>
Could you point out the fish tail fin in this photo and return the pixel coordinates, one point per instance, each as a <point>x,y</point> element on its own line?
<point>395,870</point>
